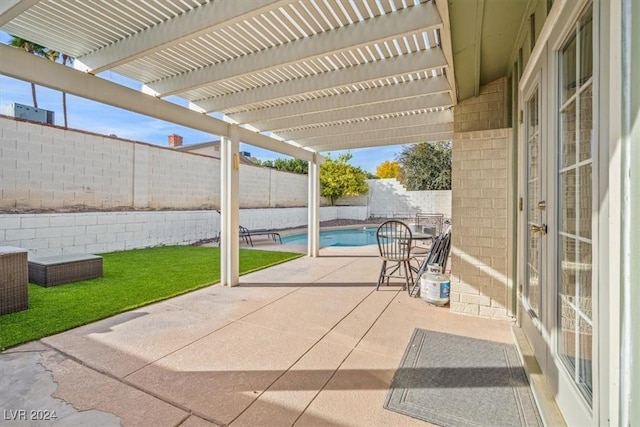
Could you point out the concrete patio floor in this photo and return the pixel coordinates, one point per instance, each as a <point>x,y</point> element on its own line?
<point>308,342</point>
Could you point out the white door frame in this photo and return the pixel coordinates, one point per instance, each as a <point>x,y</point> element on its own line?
<point>543,68</point>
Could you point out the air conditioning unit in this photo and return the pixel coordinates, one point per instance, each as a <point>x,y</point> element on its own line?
<point>26,112</point>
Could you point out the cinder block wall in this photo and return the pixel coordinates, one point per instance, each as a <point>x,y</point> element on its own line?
<point>481,161</point>
<point>485,111</point>
<point>387,197</point>
<point>479,276</point>
<point>100,232</point>
<point>47,167</point>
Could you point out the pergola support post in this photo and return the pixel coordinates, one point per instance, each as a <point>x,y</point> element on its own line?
<point>314,207</point>
<point>230,208</point>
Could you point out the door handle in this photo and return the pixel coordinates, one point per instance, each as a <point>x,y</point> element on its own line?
<point>539,228</point>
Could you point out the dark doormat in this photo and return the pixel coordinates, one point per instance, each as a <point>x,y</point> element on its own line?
<point>457,381</point>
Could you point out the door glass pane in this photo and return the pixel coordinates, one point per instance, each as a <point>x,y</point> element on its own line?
<point>568,71</point>
<point>568,201</point>
<point>585,308</point>
<point>584,201</point>
<point>586,50</point>
<point>568,276</point>
<point>586,122</point>
<point>568,128</point>
<point>532,283</point>
<point>584,276</point>
<point>585,360</point>
<point>575,202</point>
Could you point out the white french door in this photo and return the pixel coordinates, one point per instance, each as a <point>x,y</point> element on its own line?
<point>536,277</point>
<point>574,236</point>
<point>557,226</point>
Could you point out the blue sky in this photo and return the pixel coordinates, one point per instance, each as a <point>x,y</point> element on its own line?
<point>95,117</point>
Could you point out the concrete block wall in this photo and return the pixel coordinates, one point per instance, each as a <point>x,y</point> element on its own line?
<point>48,167</point>
<point>101,232</point>
<point>288,189</point>
<point>282,218</point>
<point>349,212</point>
<point>479,255</point>
<point>387,197</point>
<point>269,188</point>
<point>177,179</point>
<point>254,187</point>
<point>486,111</point>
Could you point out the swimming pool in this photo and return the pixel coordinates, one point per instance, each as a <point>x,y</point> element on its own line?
<point>341,237</point>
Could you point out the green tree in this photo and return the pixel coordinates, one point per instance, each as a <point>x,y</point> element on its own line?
<point>292,165</point>
<point>426,166</point>
<point>33,48</point>
<point>388,169</point>
<point>287,165</point>
<point>340,179</point>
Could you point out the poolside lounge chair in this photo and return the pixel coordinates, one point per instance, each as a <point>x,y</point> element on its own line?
<point>247,235</point>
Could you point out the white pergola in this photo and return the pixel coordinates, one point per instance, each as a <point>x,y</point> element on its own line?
<point>298,77</point>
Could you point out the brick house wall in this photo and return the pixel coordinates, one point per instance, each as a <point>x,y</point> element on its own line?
<point>485,111</point>
<point>481,164</point>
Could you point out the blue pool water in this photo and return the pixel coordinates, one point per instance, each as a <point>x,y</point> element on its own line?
<point>342,237</point>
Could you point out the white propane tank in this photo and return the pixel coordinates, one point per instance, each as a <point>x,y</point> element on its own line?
<point>435,286</point>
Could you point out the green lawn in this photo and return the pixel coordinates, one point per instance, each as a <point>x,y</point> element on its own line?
<point>131,279</point>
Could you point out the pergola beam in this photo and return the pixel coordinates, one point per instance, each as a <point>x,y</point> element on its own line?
<point>441,100</point>
<point>347,144</point>
<point>446,44</point>
<point>369,129</point>
<point>410,89</point>
<point>25,66</point>
<point>9,9</point>
<point>185,27</point>
<point>415,132</point>
<point>368,32</point>
<point>387,68</point>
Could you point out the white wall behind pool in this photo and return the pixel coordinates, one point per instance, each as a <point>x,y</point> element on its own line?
<point>100,232</point>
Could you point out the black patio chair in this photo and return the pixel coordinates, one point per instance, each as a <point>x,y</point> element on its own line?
<point>246,235</point>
